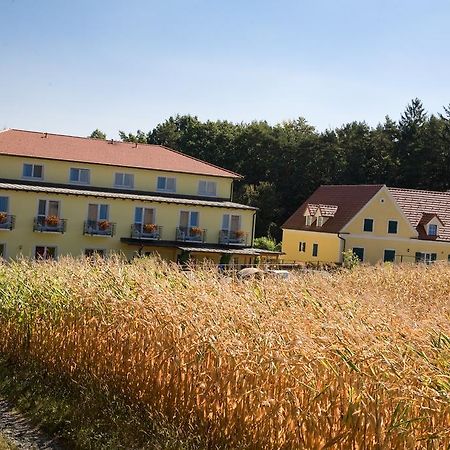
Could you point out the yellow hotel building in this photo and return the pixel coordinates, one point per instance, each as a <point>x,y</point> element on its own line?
<point>378,223</point>
<point>66,195</point>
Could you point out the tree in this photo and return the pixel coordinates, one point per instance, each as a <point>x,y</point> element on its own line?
<point>97,134</point>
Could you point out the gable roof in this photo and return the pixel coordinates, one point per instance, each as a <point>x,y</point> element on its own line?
<point>96,151</point>
<point>421,206</point>
<point>344,200</point>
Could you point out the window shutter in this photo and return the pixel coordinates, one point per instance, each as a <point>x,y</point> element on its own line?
<point>170,184</point>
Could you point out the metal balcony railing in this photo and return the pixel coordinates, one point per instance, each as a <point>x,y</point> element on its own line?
<point>233,237</point>
<point>146,231</point>
<point>50,224</point>
<point>7,221</point>
<point>99,228</point>
<point>190,234</point>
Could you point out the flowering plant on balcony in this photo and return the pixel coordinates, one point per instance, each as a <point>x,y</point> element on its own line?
<point>3,217</point>
<point>150,227</point>
<point>196,230</point>
<point>240,234</point>
<point>104,224</point>
<point>52,221</point>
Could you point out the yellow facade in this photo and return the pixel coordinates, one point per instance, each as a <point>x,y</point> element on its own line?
<point>103,176</point>
<point>26,237</point>
<point>374,246</point>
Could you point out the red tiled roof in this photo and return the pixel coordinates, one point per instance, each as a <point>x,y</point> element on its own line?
<point>348,199</point>
<point>416,204</point>
<point>95,151</point>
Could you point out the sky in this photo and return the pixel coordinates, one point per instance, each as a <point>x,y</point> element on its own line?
<point>71,66</point>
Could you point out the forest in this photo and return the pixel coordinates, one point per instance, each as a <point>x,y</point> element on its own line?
<point>283,164</point>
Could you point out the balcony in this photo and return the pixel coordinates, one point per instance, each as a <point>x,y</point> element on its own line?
<point>49,224</point>
<point>190,234</point>
<point>7,221</point>
<point>146,231</point>
<point>99,228</point>
<point>228,237</point>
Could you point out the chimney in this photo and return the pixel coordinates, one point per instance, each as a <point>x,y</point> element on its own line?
<point>111,141</point>
<point>45,136</point>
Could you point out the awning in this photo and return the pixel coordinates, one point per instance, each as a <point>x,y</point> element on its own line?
<point>233,251</point>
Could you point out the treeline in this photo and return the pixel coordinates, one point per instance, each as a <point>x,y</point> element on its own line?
<point>283,164</point>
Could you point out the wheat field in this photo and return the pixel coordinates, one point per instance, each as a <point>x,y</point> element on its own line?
<point>350,360</point>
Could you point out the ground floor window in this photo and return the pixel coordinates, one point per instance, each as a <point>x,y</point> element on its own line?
<point>45,252</point>
<point>359,252</point>
<point>90,252</point>
<point>315,249</point>
<point>426,257</point>
<point>389,256</point>
<point>2,250</point>
<point>302,246</point>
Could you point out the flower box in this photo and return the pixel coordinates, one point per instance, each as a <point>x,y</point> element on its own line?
<point>150,228</point>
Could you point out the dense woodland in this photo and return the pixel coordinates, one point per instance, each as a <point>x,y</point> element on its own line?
<point>283,164</point>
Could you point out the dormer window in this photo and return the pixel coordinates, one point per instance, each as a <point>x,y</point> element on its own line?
<point>320,221</point>
<point>308,221</point>
<point>432,229</point>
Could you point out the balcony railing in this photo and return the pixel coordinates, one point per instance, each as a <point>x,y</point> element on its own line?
<point>146,231</point>
<point>99,228</point>
<point>190,234</point>
<point>7,221</point>
<point>233,237</point>
<point>51,224</point>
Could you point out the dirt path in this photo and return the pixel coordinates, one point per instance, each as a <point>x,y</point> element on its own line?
<point>21,433</point>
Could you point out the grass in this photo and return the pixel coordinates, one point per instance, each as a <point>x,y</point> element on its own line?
<point>6,444</point>
<point>356,359</point>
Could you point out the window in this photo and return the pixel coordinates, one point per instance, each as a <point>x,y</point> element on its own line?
<point>166,184</point>
<point>302,246</point>
<point>319,221</point>
<point>231,222</point>
<point>124,180</point>
<point>315,249</point>
<point>189,219</point>
<point>2,250</point>
<point>97,213</point>
<point>208,188</point>
<point>368,225</point>
<point>144,215</point>
<point>33,171</point>
<point>81,176</point>
<point>392,226</point>
<point>48,208</point>
<point>308,221</point>
<point>45,252</point>
<point>432,229</point>
<point>359,252</point>
<point>4,201</point>
<point>427,258</point>
<point>92,252</point>
<point>389,256</point>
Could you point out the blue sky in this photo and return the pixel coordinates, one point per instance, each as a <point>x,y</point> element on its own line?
<point>71,66</point>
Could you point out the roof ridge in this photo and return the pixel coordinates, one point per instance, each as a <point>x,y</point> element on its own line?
<point>418,190</point>
<point>5,129</point>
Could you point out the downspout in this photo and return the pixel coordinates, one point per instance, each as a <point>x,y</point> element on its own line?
<point>343,247</point>
<point>231,190</point>
<point>253,228</point>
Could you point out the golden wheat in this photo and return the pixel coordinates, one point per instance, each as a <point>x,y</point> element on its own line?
<point>351,360</point>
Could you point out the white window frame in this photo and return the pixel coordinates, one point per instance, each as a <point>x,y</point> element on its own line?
<point>387,228</point>
<point>46,246</point>
<point>308,220</point>
<point>189,211</point>
<point>123,176</point>
<point>165,189</point>
<point>363,252</point>
<point>4,256</point>
<point>373,225</point>
<point>312,250</point>
<point>32,176</point>
<point>99,205</point>
<point>207,192</point>
<point>47,201</point>
<point>428,229</point>
<point>390,250</point>
<point>80,169</point>
<point>7,204</point>
<point>319,221</point>
<point>228,228</point>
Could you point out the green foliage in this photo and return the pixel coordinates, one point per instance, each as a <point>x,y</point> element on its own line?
<point>349,259</point>
<point>97,134</point>
<point>283,164</point>
<point>267,243</point>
